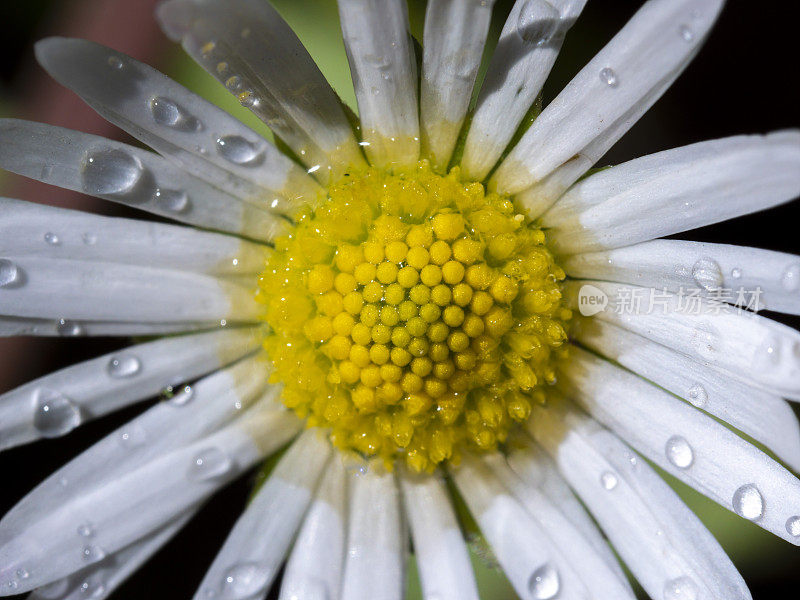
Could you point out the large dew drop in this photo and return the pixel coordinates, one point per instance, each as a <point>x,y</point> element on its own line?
<point>679,452</point>
<point>122,366</point>
<point>748,502</point>
<point>538,22</point>
<point>793,526</point>
<point>544,584</point>
<point>210,463</point>
<point>238,150</point>
<point>111,172</point>
<point>9,273</point>
<point>609,77</point>
<point>54,414</point>
<point>170,114</point>
<point>608,480</point>
<point>707,274</point>
<point>245,580</point>
<point>174,201</point>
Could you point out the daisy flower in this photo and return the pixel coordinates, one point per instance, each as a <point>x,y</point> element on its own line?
<point>420,307</point>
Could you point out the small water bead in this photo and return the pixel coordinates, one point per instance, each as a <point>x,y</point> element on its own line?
<point>233,83</point>
<point>238,150</point>
<point>538,22</point>
<point>698,395</point>
<point>86,530</point>
<point>175,201</point>
<point>170,114</point>
<point>52,238</point>
<point>736,273</point>
<point>791,278</point>
<point>707,274</point>
<point>94,587</point>
<point>245,580</point>
<point>609,77</point>
<point>686,33</point>
<point>793,526</point>
<point>54,414</point>
<point>9,273</point>
<point>123,365</point>
<point>23,574</point>
<point>90,239</point>
<point>68,328</point>
<point>544,584</point>
<point>93,554</point>
<point>682,588</point>
<point>111,172</point>
<point>210,463</point>
<point>184,396</point>
<point>608,480</point>
<point>748,502</point>
<point>115,62</point>
<point>679,452</point>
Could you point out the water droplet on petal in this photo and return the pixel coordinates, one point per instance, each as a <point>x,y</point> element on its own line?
<point>123,365</point>
<point>110,172</point>
<point>68,328</point>
<point>707,274</point>
<point>133,437</point>
<point>209,464</point>
<point>748,502</point>
<point>115,62</point>
<point>238,150</point>
<point>86,530</point>
<point>9,273</point>
<point>183,396</point>
<point>52,239</point>
<point>609,480</point>
<point>90,239</point>
<point>23,574</point>
<point>698,395</point>
<point>791,278</point>
<point>686,33</point>
<point>538,22</point>
<point>175,201</point>
<point>54,414</point>
<point>94,586</point>
<point>736,273</point>
<point>544,584</point>
<point>233,83</point>
<point>93,554</point>
<point>54,590</point>
<point>679,452</point>
<point>170,114</point>
<point>246,580</point>
<point>609,77</point>
<point>793,526</point>
<point>682,588</point>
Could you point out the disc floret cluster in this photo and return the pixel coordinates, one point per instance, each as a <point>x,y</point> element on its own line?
<point>414,315</point>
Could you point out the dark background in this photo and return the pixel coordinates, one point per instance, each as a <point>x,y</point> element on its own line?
<point>743,81</point>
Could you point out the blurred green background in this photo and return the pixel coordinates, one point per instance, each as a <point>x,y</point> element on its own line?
<point>738,84</point>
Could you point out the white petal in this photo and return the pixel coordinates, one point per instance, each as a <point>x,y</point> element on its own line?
<point>314,569</point>
<point>177,123</point>
<point>78,290</point>
<point>765,417</point>
<point>610,93</point>
<point>720,271</point>
<point>65,328</point>
<point>665,545</point>
<point>376,540</point>
<point>101,579</point>
<point>442,558</point>
<point>55,404</point>
<point>140,501</point>
<point>249,48</point>
<point>747,347</point>
<point>87,237</point>
<point>131,176</point>
<point>537,469</point>
<point>256,546</point>
<point>529,558</point>
<point>384,72</point>
<point>529,44</point>
<point>676,190</point>
<point>686,443</point>
<point>196,411</point>
<point>455,33</point>
<point>600,580</point>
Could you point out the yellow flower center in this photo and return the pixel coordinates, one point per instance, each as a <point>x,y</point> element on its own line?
<point>414,315</point>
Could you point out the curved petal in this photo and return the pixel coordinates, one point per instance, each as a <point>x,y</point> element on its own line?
<point>247,46</point>
<point>528,47</point>
<point>444,568</point>
<point>600,580</point>
<point>608,95</point>
<point>55,404</point>
<point>765,417</point>
<point>384,72</point>
<point>664,544</point>
<point>83,236</point>
<point>686,443</point>
<point>78,290</point>
<point>455,33</point>
<point>314,569</point>
<point>257,545</point>
<point>137,502</point>
<point>676,190</point>
<point>10,326</point>
<point>177,123</point>
<point>747,347</point>
<point>529,558</point>
<point>376,540</point>
<point>131,176</point>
